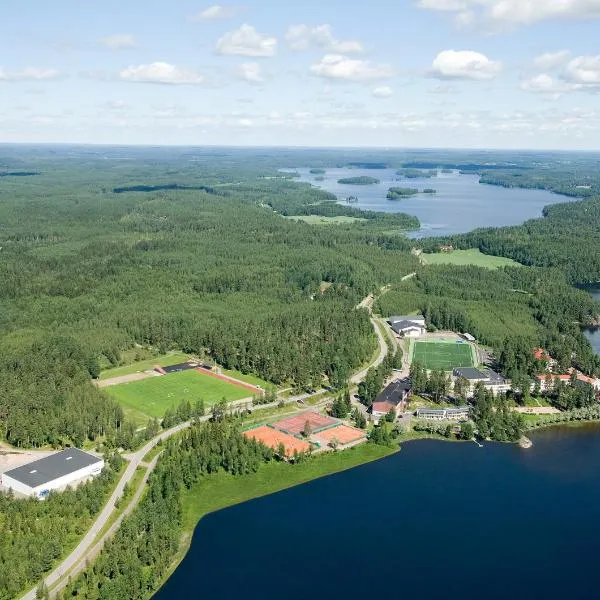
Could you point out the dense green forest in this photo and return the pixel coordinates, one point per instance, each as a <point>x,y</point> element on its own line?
<point>34,534</point>
<point>88,273</point>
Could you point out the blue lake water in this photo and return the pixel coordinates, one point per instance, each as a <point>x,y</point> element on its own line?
<point>461,203</point>
<point>437,520</point>
<point>593,333</point>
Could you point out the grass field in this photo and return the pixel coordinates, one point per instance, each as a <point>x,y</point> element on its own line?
<point>166,360</point>
<point>468,257</point>
<point>151,397</point>
<point>443,355</point>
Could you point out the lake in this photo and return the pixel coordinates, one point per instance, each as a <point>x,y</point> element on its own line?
<point>593,333</point>
<point>436,520</point>
<point>461,203</point>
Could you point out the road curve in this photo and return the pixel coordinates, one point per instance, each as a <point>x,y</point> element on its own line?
<point>86,549</point>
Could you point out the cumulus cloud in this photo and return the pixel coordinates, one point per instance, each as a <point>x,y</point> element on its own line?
<point>337,66</point>
<point>383,91</point>
<point>246,41</point>
<point>303,37</point>
<point>214,12</point>
<point>583,71</point>
<point>160,72</point>
<point>518,12</point>
<point>551,60</point>
<point>120,41</point>
<point>251,72</point>
<point>464,64</point>
<point>29,74</point>
<point>545,84</point>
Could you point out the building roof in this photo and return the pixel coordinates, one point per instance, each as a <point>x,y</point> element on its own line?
<point>45,470</point>
<point>468,337</point>
<point>457,411</point>
<point>493,376</point>
<point>394,393</point>
<point>540,354</point>
<point>382,407</point>
<point>470,373</point>
<point>414,319</point>
<point>405,325</point>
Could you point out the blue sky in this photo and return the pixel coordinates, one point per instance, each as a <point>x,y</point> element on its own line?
<point>403,73</point>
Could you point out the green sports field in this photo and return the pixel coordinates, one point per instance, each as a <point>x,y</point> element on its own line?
<point>443,355</point>
<point>151,397</point>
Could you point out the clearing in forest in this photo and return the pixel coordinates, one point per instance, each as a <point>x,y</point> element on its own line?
<point>443,355</point>
<point>468,257</point>
<point>151,397</point>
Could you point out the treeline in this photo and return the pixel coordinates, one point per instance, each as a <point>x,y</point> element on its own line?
<point>565,238</point>
<point>34,534</point>
<point>493,417</point>
<point>134,562</point>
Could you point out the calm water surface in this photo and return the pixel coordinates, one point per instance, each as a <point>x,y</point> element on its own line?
<point>593,333</point>
<point>461,203</point>
<point>437,520</point>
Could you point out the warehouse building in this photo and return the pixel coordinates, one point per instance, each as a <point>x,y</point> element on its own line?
<point>54,472</point>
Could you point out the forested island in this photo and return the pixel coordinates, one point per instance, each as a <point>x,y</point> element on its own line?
<point>396,193</point>
<point>417,173</point>
<point>360,180</point>
<point>317,171</point>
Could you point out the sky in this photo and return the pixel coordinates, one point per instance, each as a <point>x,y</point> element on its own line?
<point>383,73</point>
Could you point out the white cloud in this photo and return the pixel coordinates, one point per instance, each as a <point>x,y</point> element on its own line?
<point>115,105</point>
<point>583,71</point>
<point>251,72</point>
<point>337,66</point>
<point>519,12</point>
<point>464,64</point>
<point>29,74</point>
<point>545,84</point>
<point>530,11</point>
<point>246,41</point>
<point>383,91</point>
<point>118,42</point>
<point>551,60</point>
<point>160,72</point>
<point>214,12</point>
<point>303,37</point>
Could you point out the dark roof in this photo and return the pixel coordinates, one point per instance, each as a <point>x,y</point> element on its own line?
<point>394,392</point>
<point>409,318</point>
<point>180,367</point>
<point>470,373</point>
<point>401,325</point>
<point>52,467</point>
<point>493,376</point>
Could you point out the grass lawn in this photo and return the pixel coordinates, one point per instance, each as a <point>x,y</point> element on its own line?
<point>151,397</point>
<point>443,355</point>
<point>319,220</point>
<point>251,379</point>
<point>220,490</point>
<point>164,361</point>
<point>468,257</point>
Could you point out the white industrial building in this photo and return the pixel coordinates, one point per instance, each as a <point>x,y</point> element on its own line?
<point>54,472</point>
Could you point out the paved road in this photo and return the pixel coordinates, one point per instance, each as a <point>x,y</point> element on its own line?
<point>84,551</point>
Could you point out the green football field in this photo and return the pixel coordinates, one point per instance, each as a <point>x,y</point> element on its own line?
<point>151,397</point>
<point>443,355</point>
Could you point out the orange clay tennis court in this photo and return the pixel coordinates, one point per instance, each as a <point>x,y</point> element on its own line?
<point>344,434</point>
<point>272,438</point>
<point>297,423</point>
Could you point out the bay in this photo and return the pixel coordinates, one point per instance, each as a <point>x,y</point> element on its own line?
<point>436,520</point>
